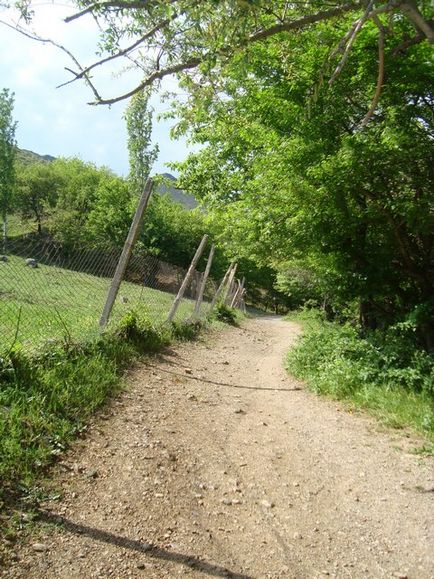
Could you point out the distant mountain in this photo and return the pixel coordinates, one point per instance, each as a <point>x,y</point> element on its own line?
<point>177,195</point>
<point>26,157</point>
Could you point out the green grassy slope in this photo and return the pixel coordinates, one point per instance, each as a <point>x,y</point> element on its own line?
<point>55,302</point>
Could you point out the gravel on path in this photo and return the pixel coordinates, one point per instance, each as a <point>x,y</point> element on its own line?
<point>215,463</point>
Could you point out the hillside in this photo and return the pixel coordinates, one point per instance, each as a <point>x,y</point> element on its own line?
<point>27,157</point>
<point>177,195</point>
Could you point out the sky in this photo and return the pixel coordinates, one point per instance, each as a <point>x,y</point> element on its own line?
<point>58,121</point>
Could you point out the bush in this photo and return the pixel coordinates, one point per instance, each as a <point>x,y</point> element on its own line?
<point>384,371</point>
<point>225,314</point>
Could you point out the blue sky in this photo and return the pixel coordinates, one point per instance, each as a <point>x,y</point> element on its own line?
<point>59,122</point>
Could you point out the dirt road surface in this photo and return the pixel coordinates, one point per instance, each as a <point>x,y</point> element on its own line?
<point>215,463</point>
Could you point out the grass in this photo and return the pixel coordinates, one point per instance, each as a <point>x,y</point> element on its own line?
<point>47,396</point>
<point>384,373</point>
<point>51,302</point>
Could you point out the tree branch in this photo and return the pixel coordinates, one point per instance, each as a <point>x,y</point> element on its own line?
<point>119,5</point>
<point>120,53</point>
<point>410,9</point>
<point>262,35</point>
<point>157,75</point>
<point>380,79</point>
<point>60,47</point>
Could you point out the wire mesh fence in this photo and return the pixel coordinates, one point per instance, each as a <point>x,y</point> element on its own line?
<point>48,292</point>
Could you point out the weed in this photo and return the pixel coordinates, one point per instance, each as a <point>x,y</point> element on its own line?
<point>47,396</point>
<point>224,313</point>
<point>384,372</point>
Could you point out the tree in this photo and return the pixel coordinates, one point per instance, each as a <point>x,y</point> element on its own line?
<point>7,156</point>
<point>36,191</point>
<point>353,204</point>
<point>138,117</point>
<point>199,38</point>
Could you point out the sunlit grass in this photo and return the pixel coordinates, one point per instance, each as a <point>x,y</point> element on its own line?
<point>51,302</point>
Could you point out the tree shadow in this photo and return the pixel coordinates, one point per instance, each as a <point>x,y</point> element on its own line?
<point>151,550</point>
<point>191,377</point>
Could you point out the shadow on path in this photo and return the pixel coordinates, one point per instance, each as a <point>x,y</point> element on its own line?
<point>295,389</point>
<point>141,547</point>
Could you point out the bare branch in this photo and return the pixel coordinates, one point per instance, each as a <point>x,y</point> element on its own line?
<point>58,46</point>
<point>410,9</point>
<point>158,75</point>
<point>304,21</point>
<point>355,30</point>
<point>120,53</point>
<point>380,79</point>
<point>403,46</point>
<point>262,35</point>
<point>108,4</point>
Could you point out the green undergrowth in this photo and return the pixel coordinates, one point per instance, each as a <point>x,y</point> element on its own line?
<point>227,315</point>
<point>47,397</point>
<point>385,372</point>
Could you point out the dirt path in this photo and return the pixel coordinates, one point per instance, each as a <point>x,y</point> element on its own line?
<point>216,464</point>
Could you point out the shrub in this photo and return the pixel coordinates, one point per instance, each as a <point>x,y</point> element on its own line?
<point>384,371</point>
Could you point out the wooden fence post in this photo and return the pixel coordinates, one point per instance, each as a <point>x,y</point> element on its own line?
<point>126,253</point>
<point>220,288</point>
<point>203,284</point>
<point>229,286</point>
<point>187,279</point>
<point>238,294</point>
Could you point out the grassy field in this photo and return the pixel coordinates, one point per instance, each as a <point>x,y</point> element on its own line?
<point>50,302</point>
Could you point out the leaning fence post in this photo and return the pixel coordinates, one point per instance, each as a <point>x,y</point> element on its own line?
<point>203,284</point>
<point>229,286</point>
<point>187,279</point>
<point>238,293</point>
<point>220,288</point>
<point>126,253</point>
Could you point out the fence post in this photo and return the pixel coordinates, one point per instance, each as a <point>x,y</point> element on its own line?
<point>187,279</point>
<point>126,253</point>
<point>238,294</point>
<point>220,288</point>
<point>229,286</point>
<point>203,284</point>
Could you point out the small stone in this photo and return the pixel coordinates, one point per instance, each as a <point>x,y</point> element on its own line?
<point>31,262</point>
<point>227,501</point>
<point>40,547</point>
<point>141,566</point>
<point>188,370</point>
<point>239,411</point>
<point>92,473</point>
<point>400,575</point>
<point>297,536</point>
<point>267,504</point>
<point>295,484</point>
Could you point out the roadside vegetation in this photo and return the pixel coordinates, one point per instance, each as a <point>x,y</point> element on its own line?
<point>384,372</point>
<point>48,396</point>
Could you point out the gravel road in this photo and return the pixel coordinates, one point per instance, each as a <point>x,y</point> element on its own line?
<point>215,463</point>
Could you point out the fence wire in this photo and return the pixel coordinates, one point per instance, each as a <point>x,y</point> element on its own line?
<point>51,293</point>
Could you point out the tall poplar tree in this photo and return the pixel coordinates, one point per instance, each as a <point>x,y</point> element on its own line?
<point>138,117</point>
<point>7,156</point>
